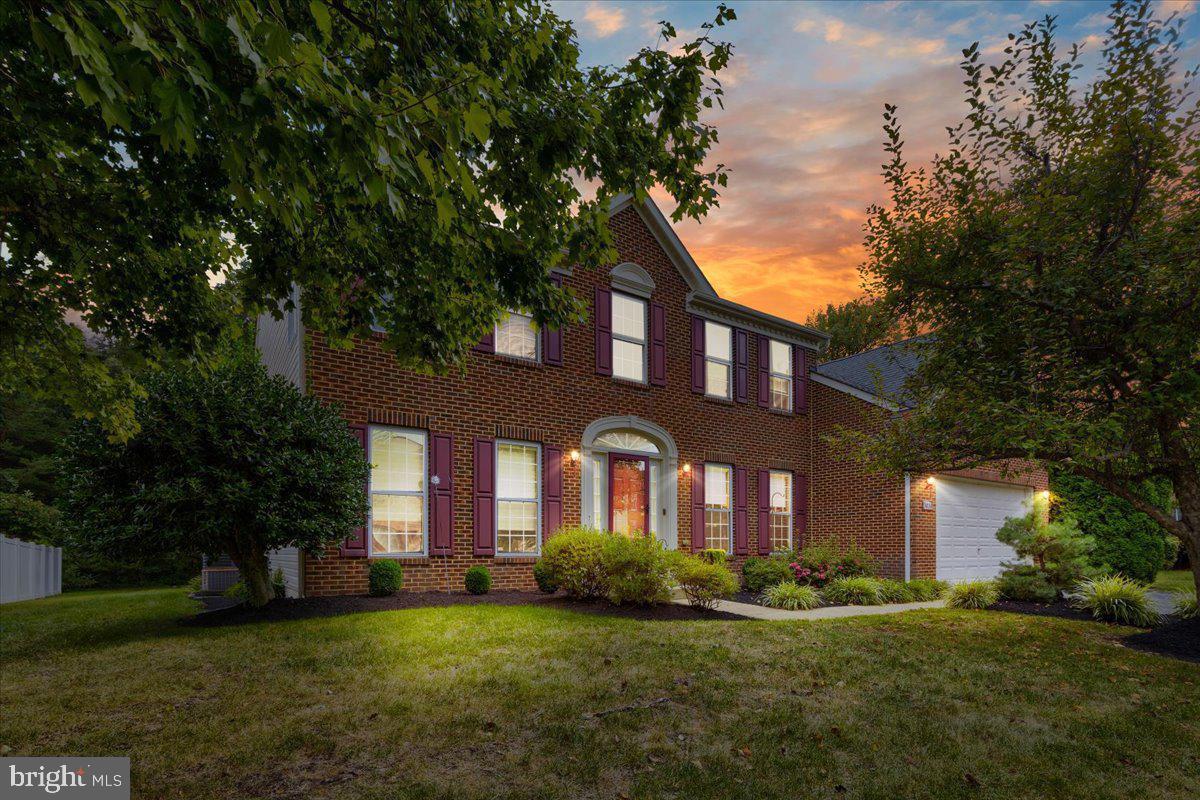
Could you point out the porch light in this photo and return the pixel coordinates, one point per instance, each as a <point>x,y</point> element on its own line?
<point>687,467</point>
<point>575,455</point>
<point>931,480</point>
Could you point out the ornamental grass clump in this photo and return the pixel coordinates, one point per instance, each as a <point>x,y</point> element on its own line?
<point>1185,604</point>
<point>791,596</point>
<point>972,595</point>
<point>1116,599</point>
<point>895,591</point>
<point>925,589</point>
<point>856,591</point>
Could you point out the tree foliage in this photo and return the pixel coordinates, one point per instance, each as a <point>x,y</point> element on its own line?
<point>417,165</point>
<point>855,326</point>
<point>226,461</point>
<point>1054,251</point>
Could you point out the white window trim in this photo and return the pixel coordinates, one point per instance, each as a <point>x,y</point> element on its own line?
<point>423,494</point>
<point>644,342</point>
<point>537,340</point>
<point>791,393</point>
<point>537,483</point>
<point>789,514</point>
<point>728,395</point>
<point>728,509</point>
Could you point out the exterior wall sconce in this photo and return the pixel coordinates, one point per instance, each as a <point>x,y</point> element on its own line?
<point>687,467</point>
<point>931,480</point>
<point>575,456</point>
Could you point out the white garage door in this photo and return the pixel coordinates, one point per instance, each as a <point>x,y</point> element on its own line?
<point>968,515</point>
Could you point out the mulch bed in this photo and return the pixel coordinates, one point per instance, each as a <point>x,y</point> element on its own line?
<point>309,607</point>
<point>1177,639</point>
<point>1059,608</point>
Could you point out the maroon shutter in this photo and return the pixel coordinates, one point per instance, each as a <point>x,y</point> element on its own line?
<point>741,520</point>
<point>658,345</point>
<point>488,343</point>
<point>485,497</point>
<point>764,371</point>
<point>355,545</point>
<point>551,490</point>
<point>697,355</point>
<point>552,342</point>
<point>800,507</point>
<point>799,379</point>
<point>697,508</point>
<point>441,495</point>
<point>764,512</point>
<point>741,360</point>
<point>602,315</point>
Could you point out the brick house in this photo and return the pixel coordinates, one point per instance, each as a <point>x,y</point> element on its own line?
<point>671,410</point>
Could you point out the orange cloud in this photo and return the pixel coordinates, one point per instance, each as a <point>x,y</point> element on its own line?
<point>605,20</point>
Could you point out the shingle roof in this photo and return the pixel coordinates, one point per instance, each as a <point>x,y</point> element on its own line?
<point>881,371</point>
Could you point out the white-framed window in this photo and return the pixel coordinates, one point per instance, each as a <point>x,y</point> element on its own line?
<point>518,498</point>
<point>781,510</point>
<point>718,507</point>
<point>780,366</point>
<point>398,489</point>
<point>629,337</point>
<point>718,359</point>
<point>517,336</point>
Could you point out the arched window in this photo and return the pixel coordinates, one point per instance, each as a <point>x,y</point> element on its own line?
<point>627,440</point>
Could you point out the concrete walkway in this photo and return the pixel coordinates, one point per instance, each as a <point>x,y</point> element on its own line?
<point>753,611</point>
<point>1163,602</point>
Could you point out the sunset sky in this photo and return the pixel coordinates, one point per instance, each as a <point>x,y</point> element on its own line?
<point>801,127</point>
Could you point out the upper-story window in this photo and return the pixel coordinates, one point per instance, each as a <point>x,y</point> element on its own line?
<point>517,498</point>
<point>397,488</point>
<point>718,507</point>
<point>629,337</point>
<point>516,336</point>
<point>781,376</point>
<point>718,359</point>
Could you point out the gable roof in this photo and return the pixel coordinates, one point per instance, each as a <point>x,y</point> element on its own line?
<point>880,373</point>
<point>703,300</point>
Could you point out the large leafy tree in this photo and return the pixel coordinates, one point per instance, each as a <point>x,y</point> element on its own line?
<point>228,460</point>
<point>1054,250</point>
<point>420,165</point>
<point>855,326</point>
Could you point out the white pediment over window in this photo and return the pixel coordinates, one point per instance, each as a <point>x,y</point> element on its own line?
<point>629,277</point>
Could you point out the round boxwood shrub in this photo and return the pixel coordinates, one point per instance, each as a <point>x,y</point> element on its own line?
<point>546,581</point>
<point>478,580</point>
<point>573,557</point>
<point>635,569</point>
<point>384,578</point>
<point>759,574</point>
<point>703,583</point>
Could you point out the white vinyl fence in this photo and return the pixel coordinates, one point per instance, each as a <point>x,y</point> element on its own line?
<point>28,571</point>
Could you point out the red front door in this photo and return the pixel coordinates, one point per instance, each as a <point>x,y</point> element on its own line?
<point>629,493</point>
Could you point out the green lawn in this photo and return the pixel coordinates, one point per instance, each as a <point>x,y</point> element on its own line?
<point>1170,580</point>
<point>490,701</point>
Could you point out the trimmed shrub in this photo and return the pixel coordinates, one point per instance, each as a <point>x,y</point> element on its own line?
<point>478,580</point>
<point>895,591</point>
<point>821,562</point>
<point>1116,599</point>
<point>713,555</point>
<point>573,558</point>
<point>546,581</point>
<point>1186,606</point>
<point>635,569</point>
<point>925,589</point>
<point>972,594</point>
<point>1027,583</point>
<point>853,591</point>
<point>278,585</point>
<point>791,596</point>
<point>22,516</point>
<point>703,583</point>
<point>758,574</point>
<point>384,578</point>
<point>1056,549</point>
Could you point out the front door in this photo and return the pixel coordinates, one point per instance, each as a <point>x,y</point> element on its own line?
<point>629,493</point>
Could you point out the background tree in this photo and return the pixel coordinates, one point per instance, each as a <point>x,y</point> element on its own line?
<point>855,326</point>
<point>1055,251</point>
<point>411,163</point>
<point>225,461</point>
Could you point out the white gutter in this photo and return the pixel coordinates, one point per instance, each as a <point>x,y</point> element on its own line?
<point>907,526</point>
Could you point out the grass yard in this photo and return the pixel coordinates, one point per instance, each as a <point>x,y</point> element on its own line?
<point>1170,580</point>
<point>495,701</point>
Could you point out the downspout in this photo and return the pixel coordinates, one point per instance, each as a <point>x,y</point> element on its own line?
<point>907,527</point>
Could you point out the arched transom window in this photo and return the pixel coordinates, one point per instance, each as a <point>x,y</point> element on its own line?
<point>627,440</point>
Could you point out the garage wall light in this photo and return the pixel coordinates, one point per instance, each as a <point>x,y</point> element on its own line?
<point>931,480</point>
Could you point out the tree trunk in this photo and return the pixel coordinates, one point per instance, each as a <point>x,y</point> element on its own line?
<point>252,563</point>
<point>1189,507</point>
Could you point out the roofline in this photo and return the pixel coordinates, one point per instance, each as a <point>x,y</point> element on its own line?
<point>853,391</point>
<point>703,299</point>
<point>873,349</point>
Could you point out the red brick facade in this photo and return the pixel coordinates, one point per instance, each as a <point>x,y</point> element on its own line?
<point>552,405</point>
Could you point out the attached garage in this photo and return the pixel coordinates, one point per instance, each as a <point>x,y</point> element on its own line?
<point>968,515</point>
